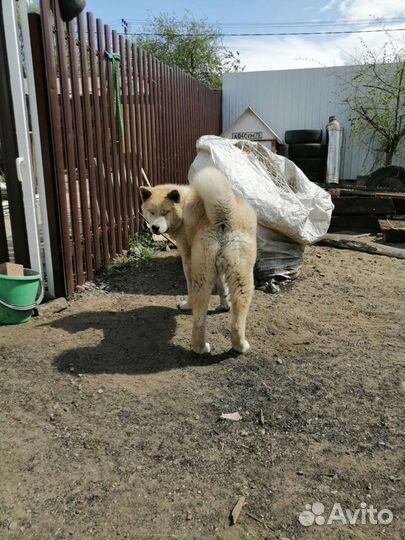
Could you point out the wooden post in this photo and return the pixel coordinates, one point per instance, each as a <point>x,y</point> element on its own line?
<point>48,157</point>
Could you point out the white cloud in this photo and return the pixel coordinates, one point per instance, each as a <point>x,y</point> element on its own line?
<point>362,9</point>
<point>294,52</point>
<point>329,5</point>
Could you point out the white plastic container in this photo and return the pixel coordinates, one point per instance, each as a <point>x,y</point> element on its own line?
<point>335,140</point>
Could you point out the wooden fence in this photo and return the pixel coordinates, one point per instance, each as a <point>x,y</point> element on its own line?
<point>104,118</point>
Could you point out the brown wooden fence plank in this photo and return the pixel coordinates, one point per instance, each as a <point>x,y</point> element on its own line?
<point>121,189</point>
<point>130,147</point>
<point>161,120</point>
<point>115,199</point>
<point>173,149</point>
<point>148,117</point>
<point>168,136</point>
<point>138,120</point>
<point>151,108</point>
<point>80,149</point>
<point>90,147</point>
<point>107,140</point>
<point>55,168</point>
<point>69,138</point>
<point>142,103</point>
<point>97,127</point>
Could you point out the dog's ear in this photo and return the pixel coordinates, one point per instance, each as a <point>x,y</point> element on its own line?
<point>145,193</point>
<point>174,196</point>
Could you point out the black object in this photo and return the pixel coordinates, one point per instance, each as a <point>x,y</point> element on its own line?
<point>318,177</point>
<point>310,150</point>
<point>391,178</point>
<point>310,164</point>
<point>70,9</point>
<point>282,150</point>
<point>303,136</point>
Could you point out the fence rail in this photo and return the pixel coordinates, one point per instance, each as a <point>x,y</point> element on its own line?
<point>105,119</point>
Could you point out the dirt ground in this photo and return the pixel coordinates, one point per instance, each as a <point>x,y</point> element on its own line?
<point>111,427</point>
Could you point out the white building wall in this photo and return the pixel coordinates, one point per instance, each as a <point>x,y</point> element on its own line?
<point>297,99</point>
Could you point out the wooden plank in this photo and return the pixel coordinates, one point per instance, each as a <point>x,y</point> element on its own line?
<point>138,125</point>
<point>392,224</point>
<point>363,206</point>
<point>153,123</point>
<point>121,187</point>
<point>354,224</point>
<point>90,150</point>
<point>95,69</point>
<point>56,138</point>
<point>148,116</point>
<point>107,184</point>
<point>55,217</point>
<point>142,105</point>
<point>114,195</point>
<point>158,120</point>
<point>338,192</point>
<point>79,143</point>
<point>163,126</point>
<point>69,139</point>
<point>341,241</point>
<point>393,230</point>
<point>130,148</point>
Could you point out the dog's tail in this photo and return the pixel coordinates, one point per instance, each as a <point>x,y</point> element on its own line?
<point>215,190</point>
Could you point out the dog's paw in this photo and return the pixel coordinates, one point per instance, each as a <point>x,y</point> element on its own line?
<point>184,306</point>
<point>242,347</point>
<point>224,305</point>
<point>202,350</point>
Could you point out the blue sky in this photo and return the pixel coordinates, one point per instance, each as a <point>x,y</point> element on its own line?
<point>277,52</point>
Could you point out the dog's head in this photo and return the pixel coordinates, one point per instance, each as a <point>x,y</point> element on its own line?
<point>162,207</point>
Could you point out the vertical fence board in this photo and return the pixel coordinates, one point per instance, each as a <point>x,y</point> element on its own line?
<point>69,138</point>
<point>114,195</point>
<point>97,130</point>
<point>108,142</point>
<point>148,106</point>
<point>130,147</point>
<point>80,148</point>
<point>89,136</point>
<point>121,186</point>
<point>138,120</point>
<point>142,105</point>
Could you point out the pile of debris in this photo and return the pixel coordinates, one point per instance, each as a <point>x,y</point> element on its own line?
<point>364,211</point>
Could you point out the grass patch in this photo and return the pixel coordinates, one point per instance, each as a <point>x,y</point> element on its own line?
<point>142,248</point>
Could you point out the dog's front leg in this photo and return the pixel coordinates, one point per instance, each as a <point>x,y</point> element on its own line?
<point>186,306</point>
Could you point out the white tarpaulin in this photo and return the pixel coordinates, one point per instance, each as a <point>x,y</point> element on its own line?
<point>282,196</point>
<point>291,210</point>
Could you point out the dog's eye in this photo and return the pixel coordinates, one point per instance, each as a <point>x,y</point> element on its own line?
<point>165,213</point>
<point>152,213</point>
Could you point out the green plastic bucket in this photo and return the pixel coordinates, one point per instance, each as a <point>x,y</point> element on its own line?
<point>19,296</point>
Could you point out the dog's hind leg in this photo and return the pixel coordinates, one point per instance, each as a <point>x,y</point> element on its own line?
<point>223,291</point>
<point>203,274</point>
<point>241,285</point>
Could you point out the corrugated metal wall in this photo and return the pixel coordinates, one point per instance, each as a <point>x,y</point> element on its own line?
<point>297,99</point>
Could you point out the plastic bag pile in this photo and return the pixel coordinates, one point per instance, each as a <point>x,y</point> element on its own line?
<point>291,210</point>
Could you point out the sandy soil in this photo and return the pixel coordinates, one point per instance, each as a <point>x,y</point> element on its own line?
<point>111,427</point>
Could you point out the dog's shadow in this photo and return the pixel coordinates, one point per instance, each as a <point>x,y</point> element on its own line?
<point>134,342</point>
<point>162,275</point>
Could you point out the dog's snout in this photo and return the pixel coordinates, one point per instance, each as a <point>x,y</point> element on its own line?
<point>155,229</point>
